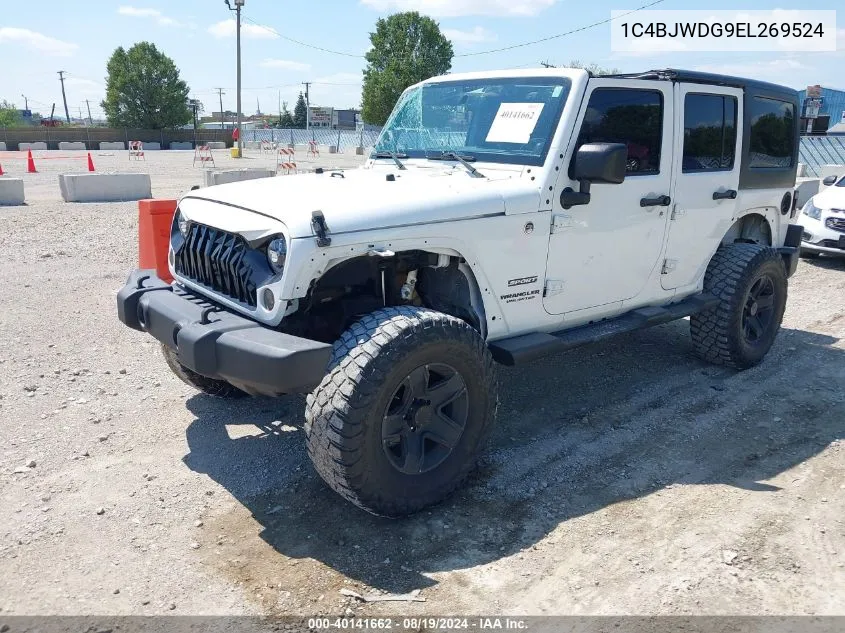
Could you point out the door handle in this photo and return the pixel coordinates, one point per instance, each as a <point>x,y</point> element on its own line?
<point>659,201</point>
<point>730,194</point>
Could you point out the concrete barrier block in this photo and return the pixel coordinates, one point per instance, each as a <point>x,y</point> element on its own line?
<point>213,177</point>
<point>806,188</point>
<point>11,191</point>
<point>216,145</point>
<point>182,145</point>
<point>32,146</point>
<point>151,146</point>
<point>104,187</point>
<point>112,146</point>
<point>2,146</point>
<point>72,146</point>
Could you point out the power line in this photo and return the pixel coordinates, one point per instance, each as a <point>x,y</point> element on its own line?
<point>559,35</point>
<point>475,54</point>
<point>290,39</point>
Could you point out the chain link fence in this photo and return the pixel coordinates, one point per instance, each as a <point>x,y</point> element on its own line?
<point>341,139</point>
<point>817,151</point>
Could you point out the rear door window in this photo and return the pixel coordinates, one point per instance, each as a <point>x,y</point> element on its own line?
<point>709,132</point>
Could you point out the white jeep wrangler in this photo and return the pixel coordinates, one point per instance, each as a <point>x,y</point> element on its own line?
<point>501,216</point>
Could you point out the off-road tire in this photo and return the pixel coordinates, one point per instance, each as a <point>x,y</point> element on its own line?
<point>718,333</point>
<point>209,386</point>
<point>345,413</point>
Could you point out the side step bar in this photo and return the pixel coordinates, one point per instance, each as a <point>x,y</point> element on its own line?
<point>528,347</point>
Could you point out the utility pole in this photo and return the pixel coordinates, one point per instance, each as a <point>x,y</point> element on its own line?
<point>220,94</point>
<point>90,118</point>
<point>64,97</point>
<point>238,6</point>
<point>307,85</point>
<point>25,102</point>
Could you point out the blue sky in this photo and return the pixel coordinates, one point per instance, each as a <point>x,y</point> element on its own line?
<point>78,37</point>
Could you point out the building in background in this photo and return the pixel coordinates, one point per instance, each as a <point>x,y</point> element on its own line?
<point>821,109</point>
<point>345,119</point>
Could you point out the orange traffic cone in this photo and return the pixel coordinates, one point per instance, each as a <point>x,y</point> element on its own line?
<point>90,162</point>
<point>30,164</point>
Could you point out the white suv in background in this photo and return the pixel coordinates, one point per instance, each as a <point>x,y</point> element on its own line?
<point>823,218</point>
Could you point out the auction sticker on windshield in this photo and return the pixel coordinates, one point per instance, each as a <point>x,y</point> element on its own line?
<point>514,122</point>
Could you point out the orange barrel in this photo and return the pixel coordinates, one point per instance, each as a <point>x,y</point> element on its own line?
<point>155,218</point>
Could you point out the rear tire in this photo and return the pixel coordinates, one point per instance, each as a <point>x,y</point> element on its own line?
<point>405,408</point>
<point>209,386</point>
<point>751,284</point>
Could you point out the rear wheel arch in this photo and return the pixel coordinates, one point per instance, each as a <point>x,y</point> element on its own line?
<point>751,228</point>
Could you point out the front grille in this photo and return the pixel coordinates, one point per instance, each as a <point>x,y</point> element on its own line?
<point>217,260</point>
<point>837,224</point>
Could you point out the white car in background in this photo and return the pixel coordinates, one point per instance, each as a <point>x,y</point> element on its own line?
<point>824,221</point>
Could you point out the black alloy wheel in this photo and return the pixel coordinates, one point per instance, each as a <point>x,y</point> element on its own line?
<point>425,419</point>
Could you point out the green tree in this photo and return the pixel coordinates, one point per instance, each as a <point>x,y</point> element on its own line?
<point>285,117</point>
<point>9,114</point>
<point>143,90</point>
<point>406,48</point>
<point>594,69</point>
<point>300,113</point>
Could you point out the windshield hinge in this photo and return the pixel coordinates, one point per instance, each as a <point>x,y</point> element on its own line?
<point>321,229</point>
<point>553,287</point>
<point>560,222</point>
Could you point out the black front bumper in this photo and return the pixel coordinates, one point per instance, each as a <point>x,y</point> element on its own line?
<point>220,344</point>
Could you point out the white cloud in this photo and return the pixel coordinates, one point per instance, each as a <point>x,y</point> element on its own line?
<point>285,64</point>
<point>341,79</point>
<point>227,28</point>
<point>458,8</point>
<point>84,87</point>
<point>37,41</point>
<point>782,71</point>
<point>155,14</point>
<point>475,36</point>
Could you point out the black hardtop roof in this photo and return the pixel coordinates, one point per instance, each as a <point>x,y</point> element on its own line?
<point>713,79</point>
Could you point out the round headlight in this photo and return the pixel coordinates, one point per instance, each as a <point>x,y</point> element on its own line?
<point>277,253</point>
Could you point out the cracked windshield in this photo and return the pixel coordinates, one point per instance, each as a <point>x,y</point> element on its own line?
<point>500,121</point>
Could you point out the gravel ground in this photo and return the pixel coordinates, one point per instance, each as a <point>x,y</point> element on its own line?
<point>623,478</point>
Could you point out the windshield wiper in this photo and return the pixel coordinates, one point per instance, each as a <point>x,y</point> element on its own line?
<point>463,160</point>
<point>394,156</point>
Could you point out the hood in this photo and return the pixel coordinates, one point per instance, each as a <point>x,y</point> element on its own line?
<point>361,199</point>
<point>831,198</point>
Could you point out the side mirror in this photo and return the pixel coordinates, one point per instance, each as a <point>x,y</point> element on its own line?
<point>595,162</point>
<point>830,181</point>
<point>601,162</point>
